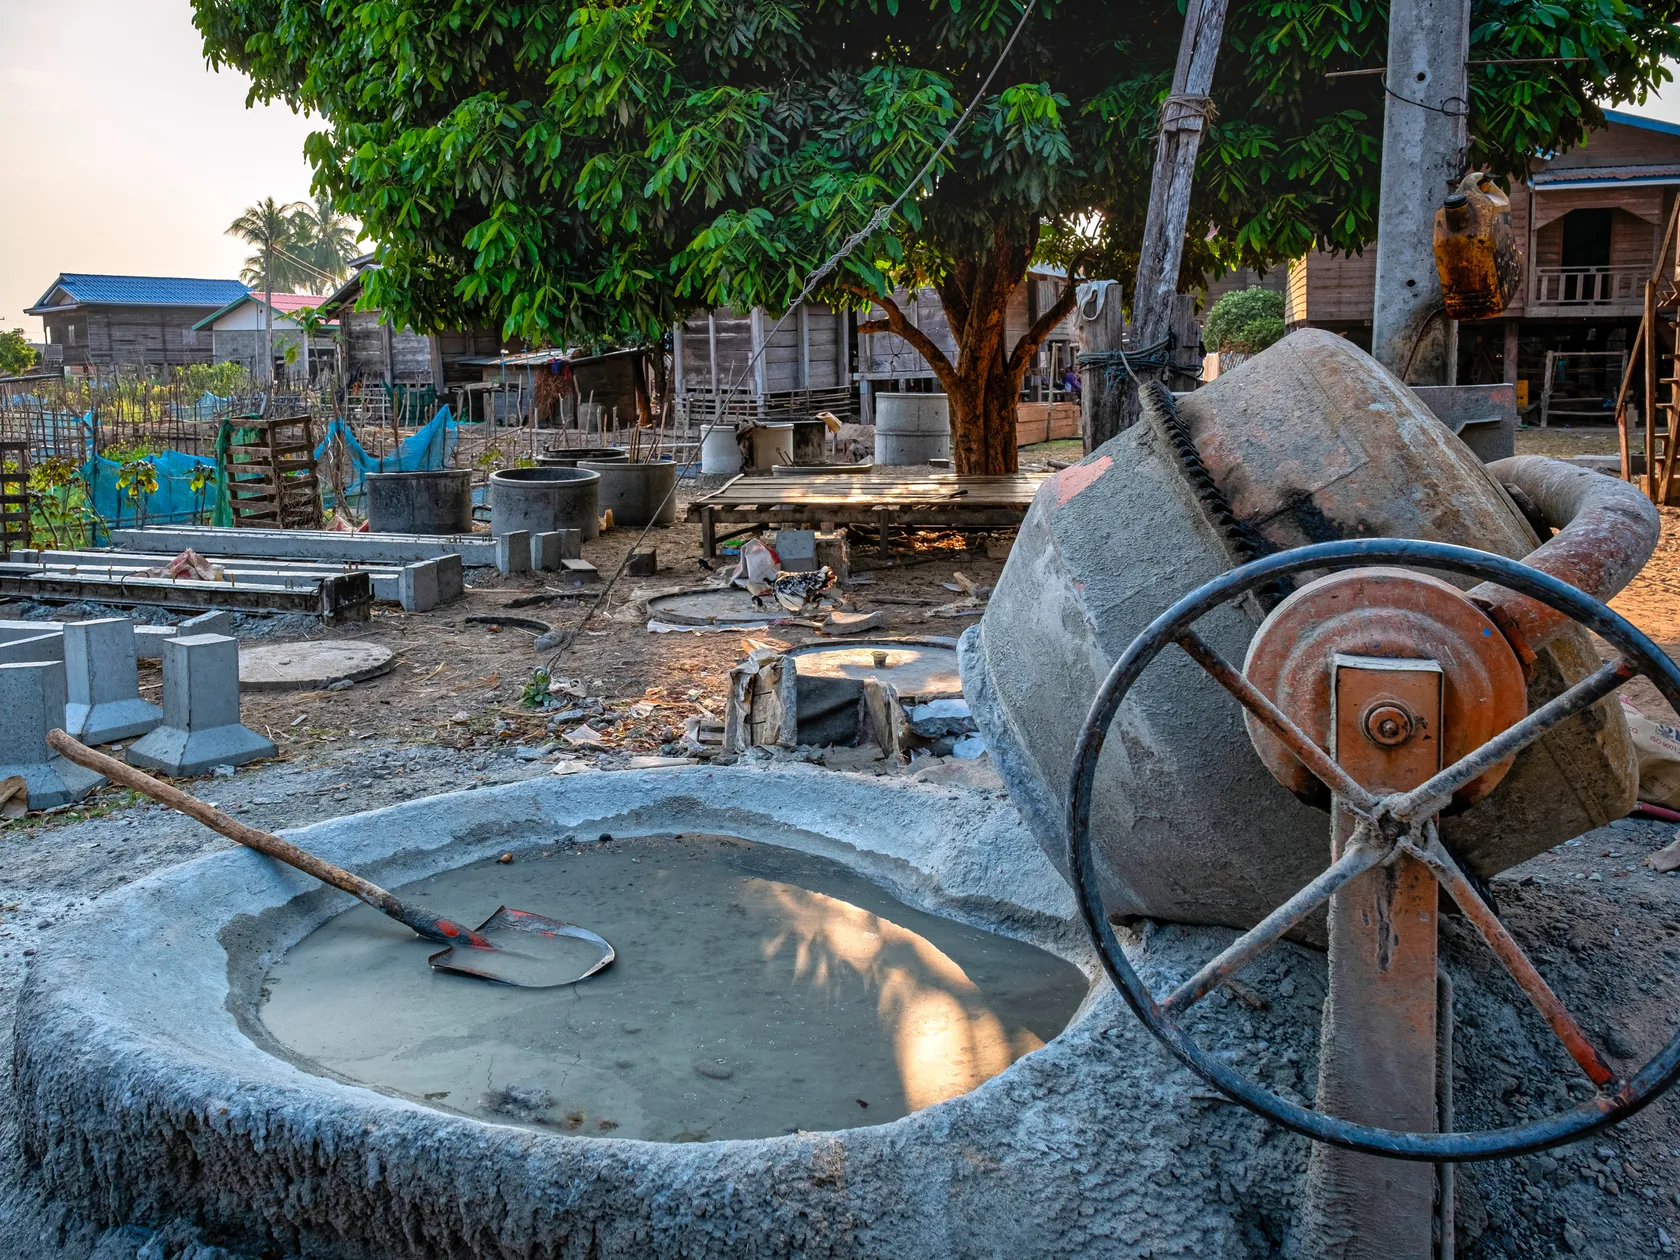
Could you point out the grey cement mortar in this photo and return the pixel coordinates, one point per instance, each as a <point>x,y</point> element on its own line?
<point>146,1097</point>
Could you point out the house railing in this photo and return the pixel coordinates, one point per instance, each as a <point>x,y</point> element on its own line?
<point>1590,286</point>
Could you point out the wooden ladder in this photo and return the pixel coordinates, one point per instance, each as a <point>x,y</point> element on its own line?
<point>1655,350</point>
<point>272,482</point>
<point>14,496</point>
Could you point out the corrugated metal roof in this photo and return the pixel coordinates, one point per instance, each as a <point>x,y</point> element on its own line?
<point>91,290</point>
<point>1560,177</point>
<point>284,304</point>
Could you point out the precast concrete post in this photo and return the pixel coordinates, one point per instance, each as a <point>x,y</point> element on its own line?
<point>32,700</point>
<point>201,726</point>
<point>103,697</point>
<point>1425,140</point>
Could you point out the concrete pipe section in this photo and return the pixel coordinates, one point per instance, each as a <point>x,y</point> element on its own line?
<point>568,456</point>
<point>435,502</point>
<point>541,500</point>
<point>848,1017</point>
<point>912,428</point>
<point>1311,440</point>
<point>639,492</point>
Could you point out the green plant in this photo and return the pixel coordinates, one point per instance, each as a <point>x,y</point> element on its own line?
<point>224,380</point>
<point>59,506</point>
<point>17,356</point>
<point>535,694</point>
<point>596,169</point>
<point>1244,320</point>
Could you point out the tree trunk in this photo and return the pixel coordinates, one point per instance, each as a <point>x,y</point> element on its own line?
<point>984,383</point>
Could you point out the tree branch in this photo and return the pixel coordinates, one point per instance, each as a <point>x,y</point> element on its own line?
<point>1034,336</point>
<point>919,340</point>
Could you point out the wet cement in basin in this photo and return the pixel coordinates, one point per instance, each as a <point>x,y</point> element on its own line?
<point>758,991</point>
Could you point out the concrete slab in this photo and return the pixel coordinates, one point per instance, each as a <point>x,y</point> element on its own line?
<point>32,699</point>
<point>200,711</point>
<point>103,699</point>
<point>43,647</point>
<point>10,631</point>
<point>310,666</point>
<point>545,550</point>
<point>149,641</point>
<point>219,621</point>
<point>309,544</point>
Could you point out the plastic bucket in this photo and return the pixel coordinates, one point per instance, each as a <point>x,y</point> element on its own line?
<point>720,453</point>
<point>772,444</point>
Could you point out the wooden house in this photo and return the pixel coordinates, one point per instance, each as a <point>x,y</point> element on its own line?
<point>806,365</point>
<point>372,352</point>
<point>236,336</point>
<point>553,383</point>
<point>95,321</point>
<point>885,361</point>
<point>1589,222</point>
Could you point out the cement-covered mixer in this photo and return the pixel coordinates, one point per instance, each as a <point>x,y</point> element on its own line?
<point>1311,441</point>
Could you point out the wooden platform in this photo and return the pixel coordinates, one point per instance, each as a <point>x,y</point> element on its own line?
<point>880,498</point>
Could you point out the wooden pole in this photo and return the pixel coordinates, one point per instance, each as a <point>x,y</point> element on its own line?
<point>1185,116</point>
<point>1650,403</point>
<point>1102,321</point>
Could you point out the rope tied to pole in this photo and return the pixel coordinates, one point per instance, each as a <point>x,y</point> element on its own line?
<point>1120,366</point>
<point>1186,111</point>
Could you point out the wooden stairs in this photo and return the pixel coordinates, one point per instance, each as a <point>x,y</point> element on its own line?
<point>1657,354</point>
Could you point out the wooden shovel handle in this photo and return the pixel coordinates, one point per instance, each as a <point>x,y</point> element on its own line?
<point>213,818</point>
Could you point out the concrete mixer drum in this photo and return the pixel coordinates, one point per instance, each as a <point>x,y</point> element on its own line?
<point>1400,696</point>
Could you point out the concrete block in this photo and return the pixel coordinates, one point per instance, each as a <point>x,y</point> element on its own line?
<point>43,647</point>
<point>797,549</point>
<point>830,549</point>
<point>513,551</point>
<point>200,711</point>
<point>643,563</point>
<point>10,631</point>
<point>545,551</point>
<point>417,586</point>
<point>217,622</point>
<point>149,641</point>
<point>103,700</point>
<point>451,579</point>
<point>32,698</point>
<point>571,544</point>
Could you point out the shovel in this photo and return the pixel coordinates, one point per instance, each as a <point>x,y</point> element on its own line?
<point>511,946</point>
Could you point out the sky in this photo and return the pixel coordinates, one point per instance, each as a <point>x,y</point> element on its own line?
<point>124,153</point>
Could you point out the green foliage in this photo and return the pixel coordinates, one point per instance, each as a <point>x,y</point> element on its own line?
<point>16,354</point>
<point>594,169</point>
<point>325,239</point>
<point>1246,320</point>
<point>535,694</point>
<point>225,380</point>
<point>137,477</point>
<point>273,230</point>
<point>60,508</point>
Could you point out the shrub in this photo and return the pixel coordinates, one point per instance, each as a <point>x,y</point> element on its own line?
<point>1244,320</point>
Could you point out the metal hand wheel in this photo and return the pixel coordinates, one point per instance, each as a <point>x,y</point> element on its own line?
<point>1389,825</point>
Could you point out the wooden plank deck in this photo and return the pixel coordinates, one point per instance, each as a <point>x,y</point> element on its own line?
<point>878,499</point>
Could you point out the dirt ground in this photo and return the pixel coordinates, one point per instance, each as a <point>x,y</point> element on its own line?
<point>1604,928</point>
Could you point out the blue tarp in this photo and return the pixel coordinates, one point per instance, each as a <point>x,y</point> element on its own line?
<point>174,503</point>
<point>429,449</point>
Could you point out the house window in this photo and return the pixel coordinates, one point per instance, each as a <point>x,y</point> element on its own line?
<point>1586,238</point>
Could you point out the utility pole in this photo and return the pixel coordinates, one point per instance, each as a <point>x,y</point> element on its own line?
<point>268,312</point>
<point>1425,146</point>
<point>1185,116</point>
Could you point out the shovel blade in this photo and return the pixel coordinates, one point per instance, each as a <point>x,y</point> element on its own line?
<point>528,950</point>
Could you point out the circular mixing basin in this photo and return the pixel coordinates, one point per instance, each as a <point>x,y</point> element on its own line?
<point>225,1046</point>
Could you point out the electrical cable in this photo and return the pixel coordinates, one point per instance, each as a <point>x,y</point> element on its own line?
<point>812,280</point>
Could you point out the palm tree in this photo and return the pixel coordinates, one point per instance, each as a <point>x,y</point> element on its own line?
<point>325,239</point>
<point>269,226</point>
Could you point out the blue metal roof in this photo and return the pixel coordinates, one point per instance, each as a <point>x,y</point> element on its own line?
<point>1636,120</point>
<point>89,290</point>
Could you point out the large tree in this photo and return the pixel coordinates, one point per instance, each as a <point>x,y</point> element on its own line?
<point>599,168</point>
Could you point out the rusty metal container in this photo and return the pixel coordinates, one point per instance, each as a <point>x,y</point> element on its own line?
<point>1310,441</point>
<point>1476,252</point>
